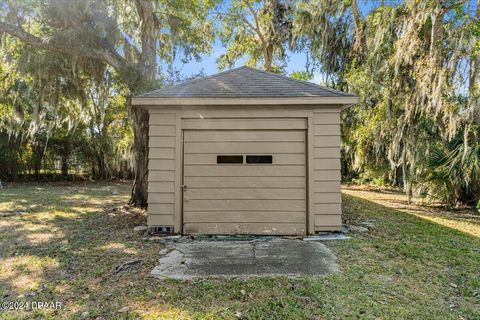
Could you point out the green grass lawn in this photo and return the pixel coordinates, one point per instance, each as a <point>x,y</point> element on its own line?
<point>62,242</point>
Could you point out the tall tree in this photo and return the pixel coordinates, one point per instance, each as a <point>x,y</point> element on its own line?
<point>413,64</point>
<point>323,29</point>
<point>257,29</point>
<point>132,37</point>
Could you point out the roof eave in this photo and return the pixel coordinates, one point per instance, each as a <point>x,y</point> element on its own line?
<point>346,101</point>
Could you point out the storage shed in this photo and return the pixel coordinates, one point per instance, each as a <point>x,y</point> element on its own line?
<point>244,152</point>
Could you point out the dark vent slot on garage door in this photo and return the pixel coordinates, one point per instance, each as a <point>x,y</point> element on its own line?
<point>229,159</point>
<point>259,159</point>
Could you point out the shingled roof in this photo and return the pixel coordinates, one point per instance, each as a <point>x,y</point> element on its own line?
<point>244,82</point>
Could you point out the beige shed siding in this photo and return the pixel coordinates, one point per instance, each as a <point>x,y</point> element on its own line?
<point>327,192</point>
<point>265,124</point>
<point>161,169</point>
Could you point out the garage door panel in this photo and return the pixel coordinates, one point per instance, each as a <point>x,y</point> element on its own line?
<point>246,216</point>
<point>245,228</point>
<point>242,135</point>
<point>244,198</point>
<point>245,205</point>
<point>244,124</point>
<point>281,158</point>
<point>245,182</point>
<point>234,170</point>
<point>244,147</point>
<point>246,193</point>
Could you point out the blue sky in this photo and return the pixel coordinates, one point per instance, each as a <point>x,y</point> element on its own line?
<point>295,62</point>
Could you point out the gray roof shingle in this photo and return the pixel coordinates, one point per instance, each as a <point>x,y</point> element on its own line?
<point>245,82</point>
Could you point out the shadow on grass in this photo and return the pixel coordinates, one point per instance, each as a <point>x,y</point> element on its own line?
<point>465,220</point>
<point>404,267</point>
<point>62,248</point>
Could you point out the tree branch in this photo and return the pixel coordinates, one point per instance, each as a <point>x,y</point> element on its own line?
<point>250,26</point>
<point>357,20</point>
<point>104,54</point>
<point>257,24</point>
<point>131,44</point>
<point>148,32</point>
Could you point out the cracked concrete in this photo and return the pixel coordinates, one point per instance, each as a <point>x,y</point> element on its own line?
<point>276,257</point>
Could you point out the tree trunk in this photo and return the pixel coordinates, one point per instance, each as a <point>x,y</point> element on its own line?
<point>407,187</point>
<point>268,57</point>
<point>64,166</point>
<point>36,168</point>
<point>94,172</point>
<point>139,190</point>
<point>148,72</point>
<point>474,78</point>
<point>473,120</point>
<point>37,160</point>
<point>102,172</point>
<point>358,44</point>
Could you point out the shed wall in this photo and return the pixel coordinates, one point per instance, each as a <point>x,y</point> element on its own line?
<point>161,168</point>
<point>323,153</point>
<point>327,208</point>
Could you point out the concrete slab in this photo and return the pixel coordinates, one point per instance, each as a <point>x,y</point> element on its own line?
<point>327,237</point>
<point>243,259</point>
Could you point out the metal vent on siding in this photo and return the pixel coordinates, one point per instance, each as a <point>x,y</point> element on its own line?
<point>161,229</point>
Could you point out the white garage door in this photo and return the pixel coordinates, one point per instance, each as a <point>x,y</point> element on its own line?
<point>244,182</point>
